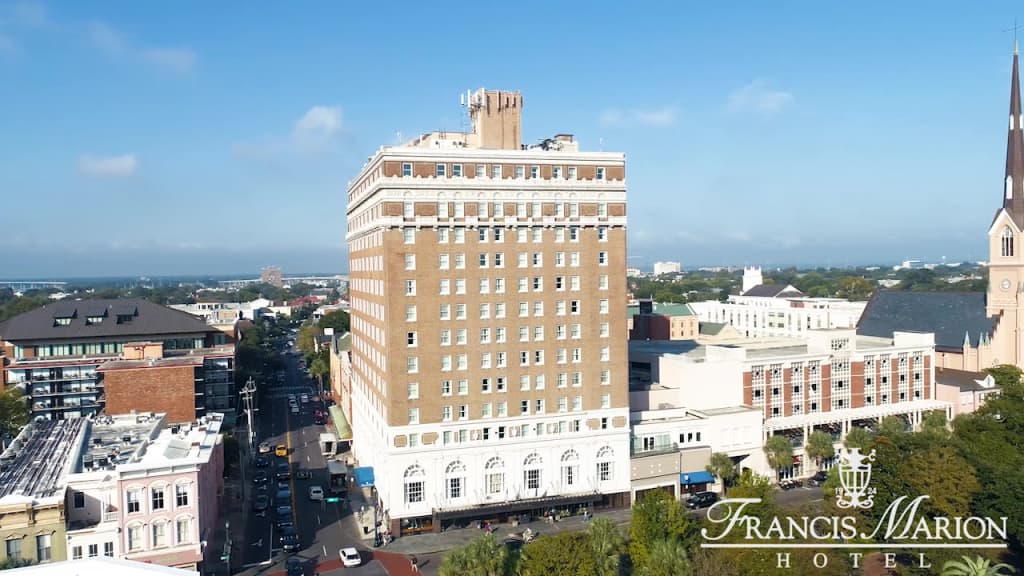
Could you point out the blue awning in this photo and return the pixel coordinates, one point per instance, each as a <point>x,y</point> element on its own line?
<point>363,476</point>
<point>702,477</point>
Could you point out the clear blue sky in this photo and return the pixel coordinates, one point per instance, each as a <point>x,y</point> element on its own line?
<point>138,138</point>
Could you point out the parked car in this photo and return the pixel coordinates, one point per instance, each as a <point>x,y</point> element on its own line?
<point>350,557</point>
<point>316,493</point>
<point>281,450</point>
<point>819,478</point>
<point>264,447</point>
<point>295,409</point>
<point>702,500</point>
<point>261,462</point>
<point>284,517</point>
<point>260,477</point>
<point>289,539</point>
<point>302,473</point>
<point>261,503</point>
<point>283,497</point>
<point>305,398</point>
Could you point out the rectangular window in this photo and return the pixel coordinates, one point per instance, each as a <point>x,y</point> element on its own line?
<point>538,259</point>
<point>520,171</point>
<point>406,169</point>
<point>485,410</point>
<point>602,258</point>
<point>413,389</point>
<point>442,209</point>
<point>183,531</point>
<point>563,404</point>
<point>410,261</point>
<point>602,210</point>
<point>534,171</point>
<point>574,283</point>
<point>134,504</point>
<point>538,283</point>
<point>445,287</point>
<point>556,171</point>
<point>571,173</point>
<point>606,400</point>
<point>439,170</point>
<point>539,407</point>
<point>108,549</point>
<point>463,411</point>
<point>443,261</point>
<point>574,259</point>
<point>442,235</point>
<point>412,364</point>
<point>460,285</point>
<point>485,285</point>
<point>524,406</point>
<point>538,308</point>
<point>413,492</point>
<point>460,336</point>
<point>410,313</point>
<point>600,173</point>
<point>134,538</point>
<point>445,312</point>
<point>446,388</point>
<point>408,210</point>
<point>602,233</point>
<point>495,170</point>
<point>481,170</point>
<point>414,416</point>
<point>14,549</point>
<point>604,330</point>
<point>602,282</point>
<point>538,382</point>
<point>500,360</point>
<point>499,261</point>
<point>457,170</point>
<point>463,387</point>
<point>482,260</point>
<point>602,306</point>
<point>460,210</point>
<point>460,236</point>
<point>563,378</point>
<point>446,413</point>
<point>410,339</point>
<point>485,360</point>
<point>446,363</point>
<point>409,235</point>
<point>574,210</point>
<point>454,488</point>
<point>499,307</point>
<point>410,287</point>
<point>157,497</point>
<point>538,357</point>
<point>499,383</point>
<point>159,535</point>
<point>460,311</point>
<point>481,212</point>
<point>606,377</point>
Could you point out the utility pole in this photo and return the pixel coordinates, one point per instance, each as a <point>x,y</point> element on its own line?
<point>248,398</point>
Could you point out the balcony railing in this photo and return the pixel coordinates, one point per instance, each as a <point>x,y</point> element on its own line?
<point>640,450</point>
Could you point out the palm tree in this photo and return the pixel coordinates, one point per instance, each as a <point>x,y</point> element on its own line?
<point>779,452</point>
<point>819,446</point>
<point>483,556</point>
<point>858,438</point>
<point>722,467</point>
<point>667,557</point>
<point>976,566</point>
<point>608,545</point>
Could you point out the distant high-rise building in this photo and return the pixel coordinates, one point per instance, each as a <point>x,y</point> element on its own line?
<point>488,294</point>
<point>667,268</point>
<point>272,275</point>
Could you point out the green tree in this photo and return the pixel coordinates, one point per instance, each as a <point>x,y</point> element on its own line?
<point>338,319</point>
<point>976,566</point>
<point>751,485</point>
<point>859,438</point>
<point>658,516</point>
<point>483,556</point>
<point>820,446</point>
<point>320,367</point>
<point>945,476</point>
<point>779,451</point>
<point>854,288</point>
<point>666,558</point>
<point>892,427</point>
<point>723,468</point>
<point>14,411</point>
<point>1005,374</point>
<point>561,554</point>
<point>607,544</point>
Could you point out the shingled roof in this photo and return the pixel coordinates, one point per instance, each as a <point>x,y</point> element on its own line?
<point>100,318</point>
<point>774,291</point>
<point>949,315</point>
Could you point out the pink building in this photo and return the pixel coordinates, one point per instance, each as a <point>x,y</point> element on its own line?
<point>966,391</point>
<point>153,490</point>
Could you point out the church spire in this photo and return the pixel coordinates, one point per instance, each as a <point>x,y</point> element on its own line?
<point>1013,198</point>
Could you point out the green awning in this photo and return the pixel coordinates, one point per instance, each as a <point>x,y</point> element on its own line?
<point>341,428</point>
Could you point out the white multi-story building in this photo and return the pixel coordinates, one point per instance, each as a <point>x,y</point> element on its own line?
<point>488,302</point>
<point>667,268</point>
<point>777,310</point>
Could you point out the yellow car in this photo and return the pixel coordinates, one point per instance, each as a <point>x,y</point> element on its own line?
<point>281,450</point>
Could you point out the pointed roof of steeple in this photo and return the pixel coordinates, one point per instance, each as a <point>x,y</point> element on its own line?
<point>1013,195</point>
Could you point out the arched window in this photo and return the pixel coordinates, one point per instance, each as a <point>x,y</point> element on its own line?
<point>570,469</point>
<point>532,471</point>
<point>494,476</point>
<point>1007,241</point>
<point>605,464</point>
<point>455,480</point>
<point>414,484</point>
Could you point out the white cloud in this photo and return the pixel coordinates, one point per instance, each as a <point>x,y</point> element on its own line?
<point>759,98</point>
<point>108,166</point>
<point>665,116</point>
<point>113,42</point>
<point>318,122</point>
<point>179,59</point>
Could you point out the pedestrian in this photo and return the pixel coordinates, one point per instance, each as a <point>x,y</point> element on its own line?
<point>415,563</point>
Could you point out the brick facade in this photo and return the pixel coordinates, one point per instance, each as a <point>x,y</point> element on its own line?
<point>169,389</point>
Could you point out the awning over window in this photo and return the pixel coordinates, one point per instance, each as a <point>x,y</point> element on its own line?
<point>341,427</point>
<point>702,477</point>
<point>363,475</point>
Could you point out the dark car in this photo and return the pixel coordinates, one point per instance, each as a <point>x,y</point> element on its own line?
<point>261,461</point>
<point>260,477</point>
<point>819,478</point>
<point>289,539</point>
<point>283,497</point>
<point>302,473</point>
<point>284,516</point>
<point>261,503</point>
<point>293,567</point>
<point>702,500</point>
<point>284,471</point>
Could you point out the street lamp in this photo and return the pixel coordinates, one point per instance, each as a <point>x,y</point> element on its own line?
<point>248,394</point>
<point>376,532</point>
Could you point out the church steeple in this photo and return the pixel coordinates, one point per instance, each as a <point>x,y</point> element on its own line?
<point>1013,197</point>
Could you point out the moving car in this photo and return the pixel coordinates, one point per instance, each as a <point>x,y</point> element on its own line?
<point>819,478</point>
<point>284,471</point>
<point>264,447</point>
<point>302,473</point>
<point>261,462</point>
<point>305,398</point>
<point>289,539</point>
<point>260,477</point>
<point>701,500</point>
<point>281,450</point>
<point>261,503</point>
<point>350,557</point>
<point>293,567</point>
<point>316,493</point>
<point>295,409</point>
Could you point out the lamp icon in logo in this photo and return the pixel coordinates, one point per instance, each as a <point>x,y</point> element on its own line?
<point>855,477</point>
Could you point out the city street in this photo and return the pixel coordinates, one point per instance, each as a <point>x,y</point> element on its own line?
<point>323,528</point>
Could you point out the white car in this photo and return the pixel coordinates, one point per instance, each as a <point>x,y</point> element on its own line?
<point>295,409</point>
<point>316,493</point>
<point>305,398</point>
<point>350,557</point>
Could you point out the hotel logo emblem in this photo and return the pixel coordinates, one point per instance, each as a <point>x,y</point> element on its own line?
<point>855,477</point>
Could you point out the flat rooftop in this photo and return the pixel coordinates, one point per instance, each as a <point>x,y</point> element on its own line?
<point>755,348</point>
<point>172,358</point>
<point>34,466</point>
<point>114,440</point>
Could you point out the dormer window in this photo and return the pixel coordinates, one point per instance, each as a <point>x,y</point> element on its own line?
<point>93,320</point>
<point>1006,241</point>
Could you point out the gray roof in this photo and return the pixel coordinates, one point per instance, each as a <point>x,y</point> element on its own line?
<point>950,315</point>
<point>962,379</point>
<point>127,317</point>
<point>774,291</point>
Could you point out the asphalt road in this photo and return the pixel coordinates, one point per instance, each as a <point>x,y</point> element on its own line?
<point>323,528</point>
